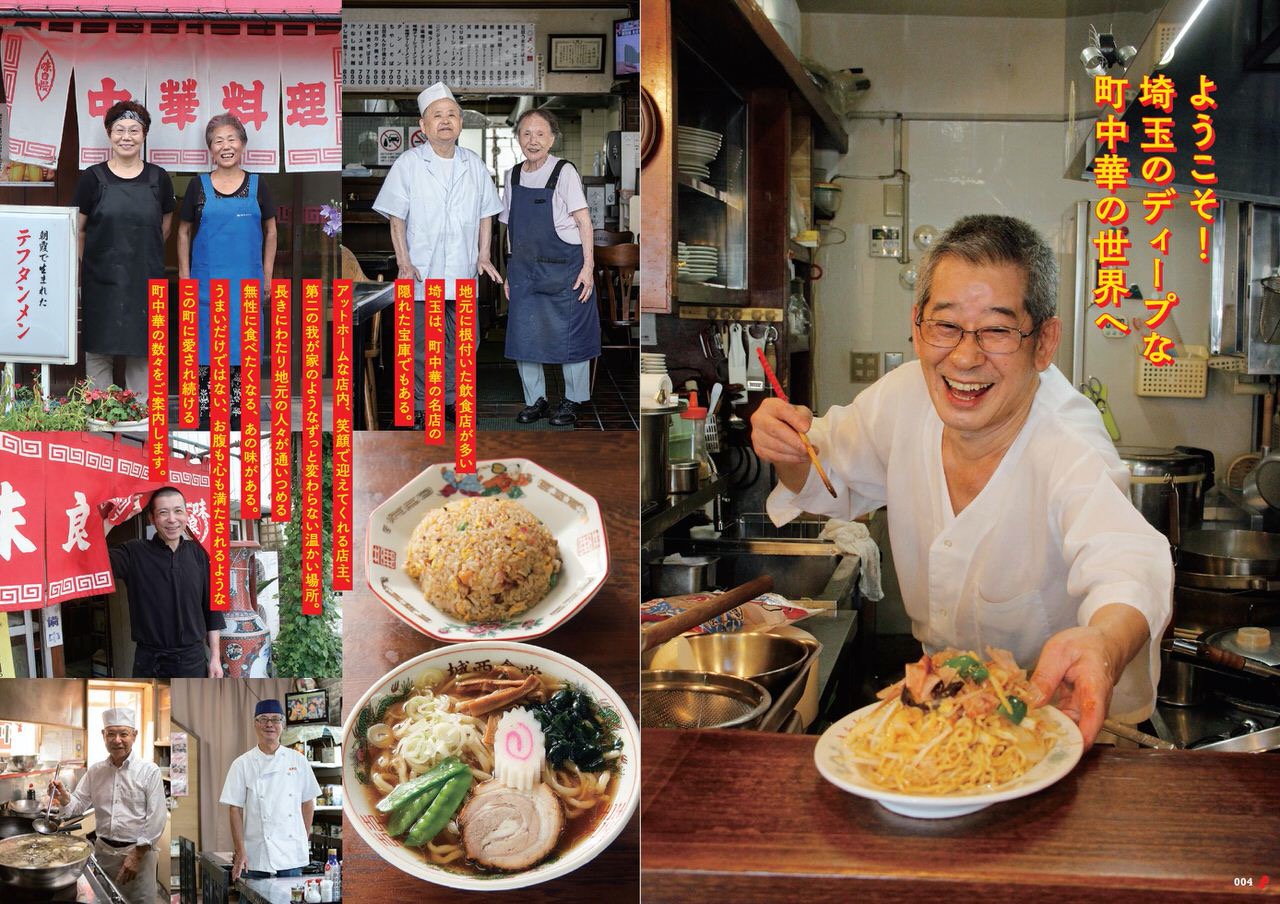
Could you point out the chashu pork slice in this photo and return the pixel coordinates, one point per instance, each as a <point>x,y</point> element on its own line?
<point>508,829</point>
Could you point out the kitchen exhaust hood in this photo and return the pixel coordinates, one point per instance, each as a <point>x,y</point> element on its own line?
<point>1236,44</point>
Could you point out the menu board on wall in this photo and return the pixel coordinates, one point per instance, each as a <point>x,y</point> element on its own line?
<point>411,56</point>
<point>178,764</point>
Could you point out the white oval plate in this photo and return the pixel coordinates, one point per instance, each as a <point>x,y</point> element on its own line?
<point>831,757</point>
<point>572,516</point>
<point>359,808</point>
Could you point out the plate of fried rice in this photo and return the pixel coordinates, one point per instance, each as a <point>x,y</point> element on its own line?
<point>507,553</point>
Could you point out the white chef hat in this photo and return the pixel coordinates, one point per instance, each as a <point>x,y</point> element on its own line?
<point>438,91</point>
<point>120,716</point>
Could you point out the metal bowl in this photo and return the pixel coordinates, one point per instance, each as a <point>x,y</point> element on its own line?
<point>770,659</point>
<point>678,699</point>
<point>24,807</point>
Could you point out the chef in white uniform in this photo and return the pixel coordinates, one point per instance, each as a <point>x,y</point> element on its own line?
<point>127,796</point>
<point>1008,509</point>
<point>440,200</point>
<point>271,791</point>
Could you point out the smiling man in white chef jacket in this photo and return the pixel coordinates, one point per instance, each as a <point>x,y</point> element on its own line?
<point>1008,509</point>
<point>271,791</point>
<point>441,201</point>
<point>127,796</point>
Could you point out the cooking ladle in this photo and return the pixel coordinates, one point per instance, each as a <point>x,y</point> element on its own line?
<point>46,824</point>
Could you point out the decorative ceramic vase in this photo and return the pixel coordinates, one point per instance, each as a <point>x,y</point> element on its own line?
<point>246,640</point>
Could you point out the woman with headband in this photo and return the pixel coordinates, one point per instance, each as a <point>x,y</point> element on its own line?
<point>226,230</point>
<point>125,206</point>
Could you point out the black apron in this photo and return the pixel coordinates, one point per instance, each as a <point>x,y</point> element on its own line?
<point>123,249</point>
<point>545,321</point>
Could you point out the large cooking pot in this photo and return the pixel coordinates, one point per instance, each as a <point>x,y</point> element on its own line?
<point>653,454</point>
<point>1165,483</point>
<point>44,878</point>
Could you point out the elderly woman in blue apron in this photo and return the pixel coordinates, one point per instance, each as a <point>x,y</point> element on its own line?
<point>552,318</point>
<point>227,230</point>
<point>125,207</point>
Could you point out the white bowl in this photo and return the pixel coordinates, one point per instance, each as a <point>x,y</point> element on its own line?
<point>359,807</point>
<point>832,759</point>
<point>572,516</point>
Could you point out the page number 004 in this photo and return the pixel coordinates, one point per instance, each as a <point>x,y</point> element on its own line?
<point>1248,881</point>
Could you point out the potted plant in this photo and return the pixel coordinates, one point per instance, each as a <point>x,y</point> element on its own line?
<point>115,410</point>
<point>24,408</point>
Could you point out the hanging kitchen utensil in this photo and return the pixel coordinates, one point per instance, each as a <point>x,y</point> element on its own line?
<point>1096,391</point>
<point>1262,486</point>
<point>755,351</point>
<point>737,361</point>
<point>1269,311</point>
<point>1240,468</point>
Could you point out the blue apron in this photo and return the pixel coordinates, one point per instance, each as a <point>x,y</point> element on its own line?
<point>545,321</point>
<point>228,246</point>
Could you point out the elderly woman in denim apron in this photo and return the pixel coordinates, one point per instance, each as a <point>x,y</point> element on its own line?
<point>550,283</point>
<point>227,231</point>
<point>125,206</point>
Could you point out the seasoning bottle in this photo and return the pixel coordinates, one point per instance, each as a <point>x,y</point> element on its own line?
<point>696,415</point>
<point>312,895</point>
<point>295,895</point>
<point>31,792</point>
<point>326,891</point>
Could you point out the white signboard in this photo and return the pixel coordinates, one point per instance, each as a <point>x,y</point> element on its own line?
<point>51,616</point>
<point>38,304</point>
<point>412,55</point>
<point>37,73</point>
<point>391,144</point>
<point>311,101</point>
<point>109,68</point>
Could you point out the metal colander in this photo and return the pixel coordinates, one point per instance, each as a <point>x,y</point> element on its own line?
<point>680,699</point>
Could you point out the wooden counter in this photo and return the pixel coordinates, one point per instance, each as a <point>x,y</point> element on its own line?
<point>604,636</point>
<point>743,816</point>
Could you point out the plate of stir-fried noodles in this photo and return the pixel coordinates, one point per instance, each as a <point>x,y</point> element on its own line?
<point>958,733</point>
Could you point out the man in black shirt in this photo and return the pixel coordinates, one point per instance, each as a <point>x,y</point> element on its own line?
<point>168,586</point>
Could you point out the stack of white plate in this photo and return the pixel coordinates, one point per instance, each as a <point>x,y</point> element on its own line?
<point>653,363</point>
<point>697,263</point>
<point>696,150</point>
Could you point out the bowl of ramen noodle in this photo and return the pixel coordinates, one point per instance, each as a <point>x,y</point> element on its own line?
<point>42,862</point>
<point>491,765</point>
<point>958,733</point>
<point>508,553</point>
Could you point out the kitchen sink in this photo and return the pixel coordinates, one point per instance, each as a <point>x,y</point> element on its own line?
<point>757,525</point>
<point>801,569</point>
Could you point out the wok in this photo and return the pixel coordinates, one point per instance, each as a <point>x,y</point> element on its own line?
<point>43,878</point>
<point>1229,552</point>
<point>14,825</point>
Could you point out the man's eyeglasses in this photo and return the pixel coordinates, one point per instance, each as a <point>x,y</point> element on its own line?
<point>267,721</point>
<point>995,340</point>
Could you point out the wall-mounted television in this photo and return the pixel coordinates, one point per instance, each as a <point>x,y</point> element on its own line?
<point>626,47</point>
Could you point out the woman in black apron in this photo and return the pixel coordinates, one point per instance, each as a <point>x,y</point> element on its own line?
<point>552,317</point>
<point>125,209</point>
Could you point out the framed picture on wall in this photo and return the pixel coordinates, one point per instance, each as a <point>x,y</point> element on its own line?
<point>307,707</point>
<point>575,53</point>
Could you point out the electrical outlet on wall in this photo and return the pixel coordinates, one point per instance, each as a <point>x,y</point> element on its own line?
<point>864,367</point>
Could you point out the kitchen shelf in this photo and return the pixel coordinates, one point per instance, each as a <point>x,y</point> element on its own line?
<point>665,518</point>
<point>706,293</point>
<point>704,188</point>
<point>4,775</point>
<point>746,40</point>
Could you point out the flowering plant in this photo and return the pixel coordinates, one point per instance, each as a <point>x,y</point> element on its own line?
<point>114,404</point>
<point>332,216</point>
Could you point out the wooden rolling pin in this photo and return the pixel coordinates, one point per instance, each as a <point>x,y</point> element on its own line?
<point>660,632</point>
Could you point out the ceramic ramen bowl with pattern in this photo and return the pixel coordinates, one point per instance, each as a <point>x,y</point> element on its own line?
<point>572,516</point>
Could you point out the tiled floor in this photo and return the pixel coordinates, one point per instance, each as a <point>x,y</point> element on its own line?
<point>615,398</point>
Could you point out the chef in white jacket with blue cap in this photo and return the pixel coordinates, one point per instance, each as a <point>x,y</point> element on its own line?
<point>271,791</point>
<point>440,200</point>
